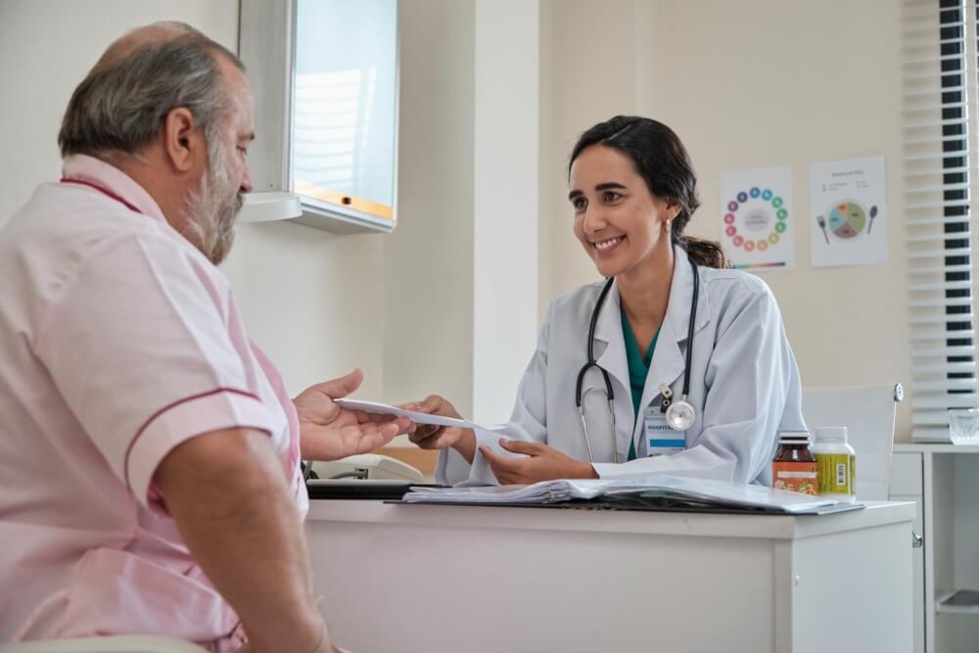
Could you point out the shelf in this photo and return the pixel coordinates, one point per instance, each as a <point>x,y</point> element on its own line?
<point>966,601</point>
<point>936,447</point>
<point>269,206</point>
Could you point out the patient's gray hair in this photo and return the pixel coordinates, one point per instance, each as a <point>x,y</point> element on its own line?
<point>122,103</point>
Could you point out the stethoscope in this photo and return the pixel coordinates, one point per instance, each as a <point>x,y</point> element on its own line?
<point>680,414</point>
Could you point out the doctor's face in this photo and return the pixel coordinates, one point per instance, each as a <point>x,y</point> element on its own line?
<point>617,220</point>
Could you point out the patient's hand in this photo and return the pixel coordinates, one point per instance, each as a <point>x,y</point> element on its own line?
<point>329,432</point>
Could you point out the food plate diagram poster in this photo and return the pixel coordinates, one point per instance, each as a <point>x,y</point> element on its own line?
<point>848,219</point>
<point>758,224</point>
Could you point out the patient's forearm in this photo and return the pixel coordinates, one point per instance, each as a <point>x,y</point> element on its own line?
<point>229,496</point>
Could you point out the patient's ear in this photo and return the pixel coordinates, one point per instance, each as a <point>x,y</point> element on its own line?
<point>183,141</point>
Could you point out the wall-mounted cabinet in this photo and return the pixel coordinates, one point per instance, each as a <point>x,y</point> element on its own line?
<point>324,74</point>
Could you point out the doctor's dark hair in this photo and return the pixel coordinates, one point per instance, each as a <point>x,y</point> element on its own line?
<point>124,100</point>
<point>662,161</point>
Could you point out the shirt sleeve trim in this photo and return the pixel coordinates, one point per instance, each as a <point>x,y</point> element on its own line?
<point>170,406</point>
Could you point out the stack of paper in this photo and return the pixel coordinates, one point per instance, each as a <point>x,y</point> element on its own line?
<point>538,493</point>
<point>634,491</point>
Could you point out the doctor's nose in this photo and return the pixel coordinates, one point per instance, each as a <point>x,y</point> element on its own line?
<point>594,220</point>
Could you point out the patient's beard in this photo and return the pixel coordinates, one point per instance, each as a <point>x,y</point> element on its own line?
<point>213,206</point>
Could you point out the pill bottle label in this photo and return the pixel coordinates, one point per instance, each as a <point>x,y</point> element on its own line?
<point>795,477</point>
<point>836,473</point>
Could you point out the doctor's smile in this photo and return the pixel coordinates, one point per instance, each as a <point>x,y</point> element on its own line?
<point>605,246</point>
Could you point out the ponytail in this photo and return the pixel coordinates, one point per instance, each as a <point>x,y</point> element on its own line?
<point>705,253</point>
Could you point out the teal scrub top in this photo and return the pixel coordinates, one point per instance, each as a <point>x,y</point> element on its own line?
<point>638,370</point>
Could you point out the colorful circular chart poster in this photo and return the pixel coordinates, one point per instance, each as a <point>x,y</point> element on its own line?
<point>846,222</point>
<point>757,220</point>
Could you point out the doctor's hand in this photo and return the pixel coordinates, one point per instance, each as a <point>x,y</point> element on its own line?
<point>542,463</point>
<point>328,432</point>
<point>432,436</point>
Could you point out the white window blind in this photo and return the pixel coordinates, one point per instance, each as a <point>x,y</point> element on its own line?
<point>939,165</point>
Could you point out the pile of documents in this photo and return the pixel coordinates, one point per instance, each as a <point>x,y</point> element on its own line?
<point>646,492</point>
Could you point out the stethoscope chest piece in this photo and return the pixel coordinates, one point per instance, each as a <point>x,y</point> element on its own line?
<point>680,415</point>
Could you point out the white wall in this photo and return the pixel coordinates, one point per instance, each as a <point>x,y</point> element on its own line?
<point>754,84</point>
<point>505,202</point>
<point>461,268</point>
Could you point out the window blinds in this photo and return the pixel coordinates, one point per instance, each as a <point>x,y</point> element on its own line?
<point>940,128</point>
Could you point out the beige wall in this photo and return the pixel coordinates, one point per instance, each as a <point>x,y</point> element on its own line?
<point>760,83</point>
<point>764,82</point>
<point>428,272</point>
<point>301,291</point>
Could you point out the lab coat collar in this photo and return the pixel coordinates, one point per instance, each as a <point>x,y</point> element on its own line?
<point>668,360</point>
<point>681,294</point>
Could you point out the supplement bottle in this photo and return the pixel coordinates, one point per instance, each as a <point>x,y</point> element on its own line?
<point>837,463</point>
<point>794,467</point>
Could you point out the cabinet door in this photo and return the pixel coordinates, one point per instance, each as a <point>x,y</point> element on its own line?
<point>907,485</point>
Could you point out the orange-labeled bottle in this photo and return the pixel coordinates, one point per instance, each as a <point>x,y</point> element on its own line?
<point>794,467</point>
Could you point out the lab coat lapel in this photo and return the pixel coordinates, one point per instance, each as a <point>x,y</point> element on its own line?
<point>669,360</point>
<point>608,330</point>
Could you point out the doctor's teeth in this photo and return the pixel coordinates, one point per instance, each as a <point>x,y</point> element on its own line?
<point>605,244</point>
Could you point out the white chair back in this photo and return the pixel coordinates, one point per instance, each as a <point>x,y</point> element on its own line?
<point>117,644</point>
<point>867,412</point>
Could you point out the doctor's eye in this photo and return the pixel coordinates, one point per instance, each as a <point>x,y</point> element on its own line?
<point>579,203</point>
<point>611,196</point>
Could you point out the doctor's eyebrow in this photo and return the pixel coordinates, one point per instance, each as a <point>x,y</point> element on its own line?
<point>608,185</point>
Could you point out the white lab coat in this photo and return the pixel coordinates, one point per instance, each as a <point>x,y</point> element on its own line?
<point>744,383</point>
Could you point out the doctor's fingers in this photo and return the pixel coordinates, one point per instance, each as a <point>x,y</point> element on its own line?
<point>434,405</point>
<point>426,436</point>
<point>526,448</point>
<point>507,470</point>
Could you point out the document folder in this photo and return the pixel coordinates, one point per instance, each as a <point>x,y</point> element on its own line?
<point>384,490</point>
<point>638,493</point>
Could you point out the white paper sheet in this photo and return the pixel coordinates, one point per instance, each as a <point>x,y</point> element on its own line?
<point>415,416</point>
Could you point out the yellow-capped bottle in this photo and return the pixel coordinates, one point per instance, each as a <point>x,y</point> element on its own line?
<point>837,463</point>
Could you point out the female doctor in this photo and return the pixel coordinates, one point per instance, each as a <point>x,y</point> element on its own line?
<point>673,364</point>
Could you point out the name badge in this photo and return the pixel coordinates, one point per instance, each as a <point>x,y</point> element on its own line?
<point>661,440</point>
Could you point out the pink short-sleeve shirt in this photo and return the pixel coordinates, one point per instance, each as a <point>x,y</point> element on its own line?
<point>118,341</point>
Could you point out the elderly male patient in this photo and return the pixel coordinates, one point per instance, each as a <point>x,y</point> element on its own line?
<point>149,454</point>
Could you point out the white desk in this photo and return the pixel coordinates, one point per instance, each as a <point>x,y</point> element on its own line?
<point>453,579</point>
